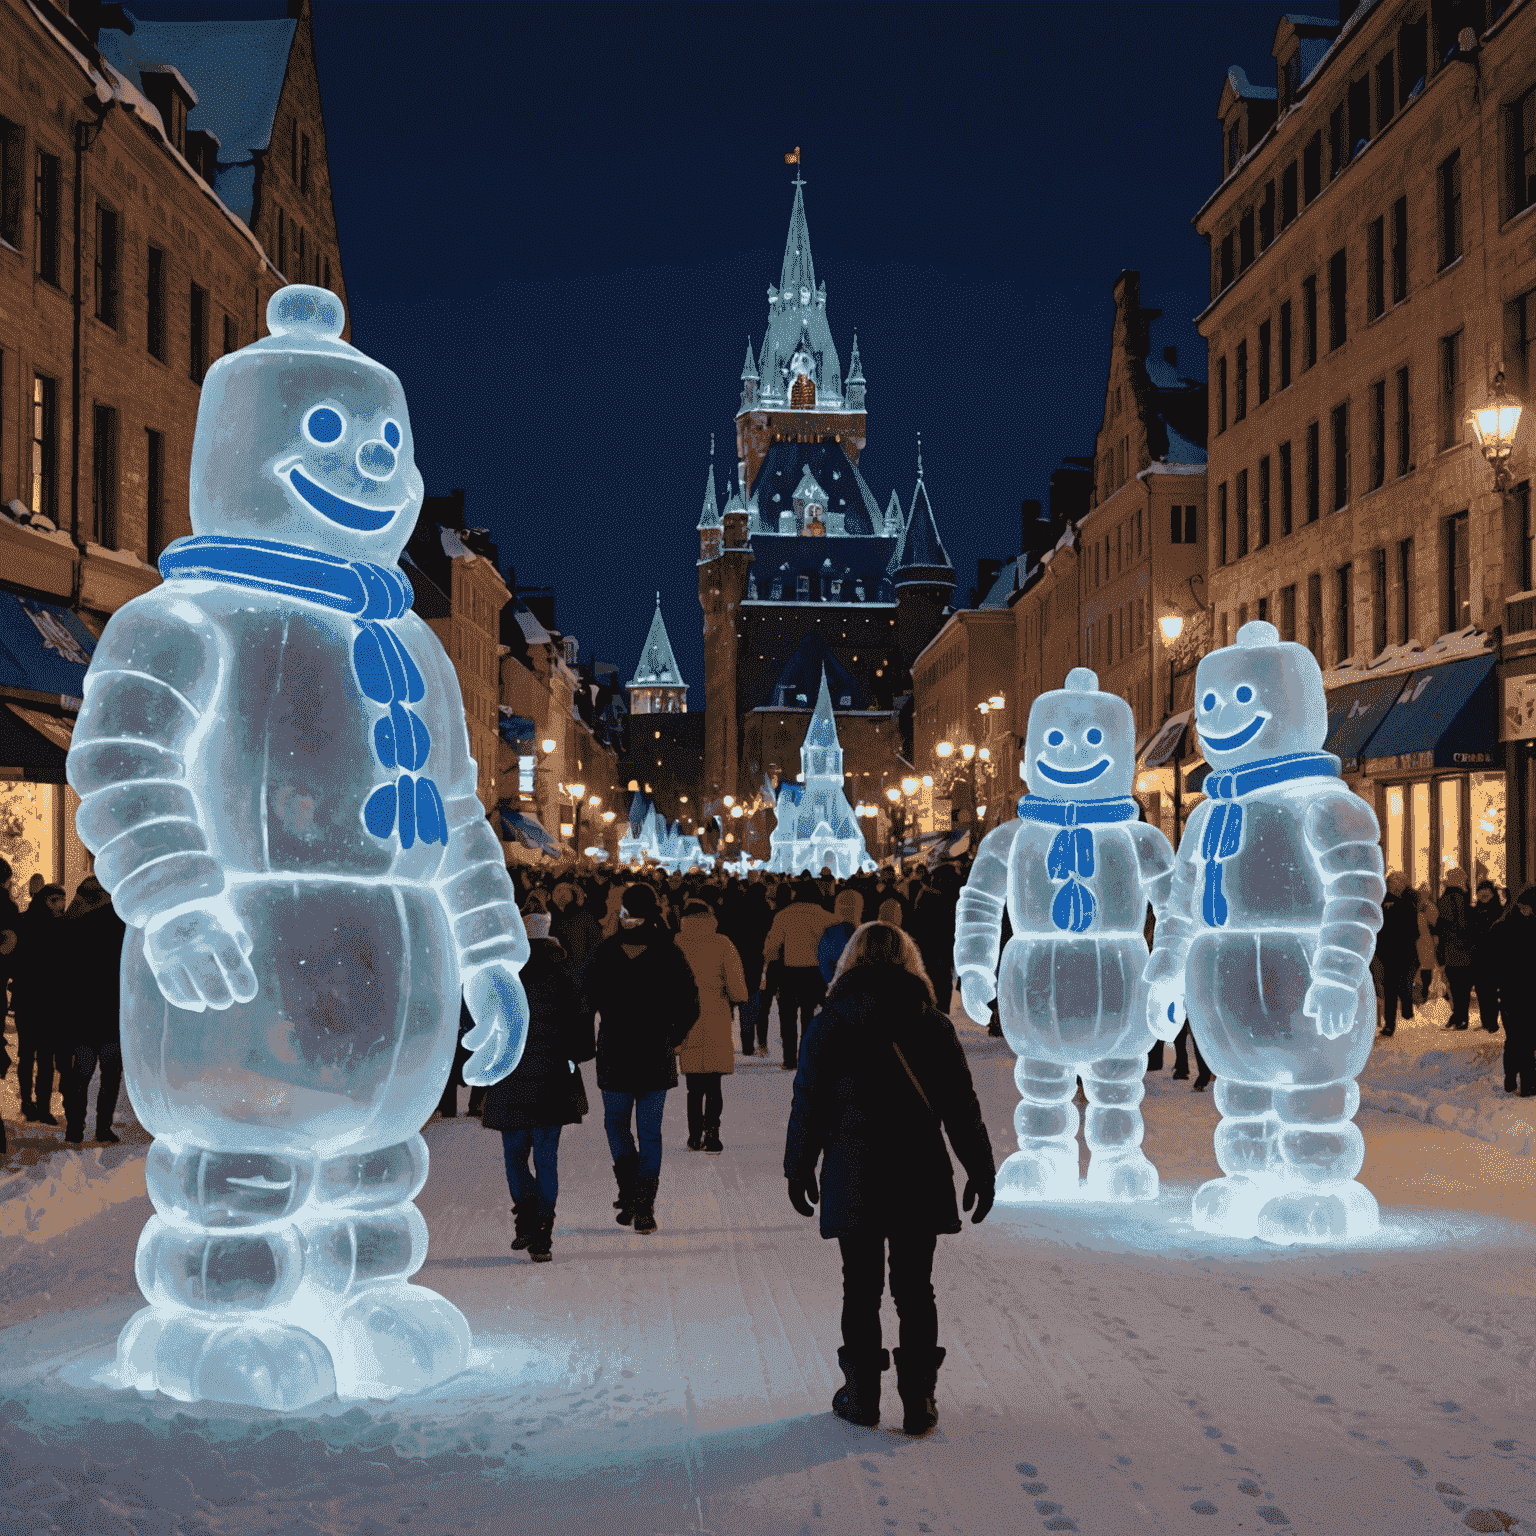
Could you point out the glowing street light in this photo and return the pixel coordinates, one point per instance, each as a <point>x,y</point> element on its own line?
<point>1172,626</point>
<point>893,795</point>
<point>577,791</point>
<point>985,754</point>
<point>548,743</point>
<point>608,815</point>
<point>1494,426</point>
<point>944,748</point>
<point>996,701</point>
<point>911,786</point>
<point>968,751</point>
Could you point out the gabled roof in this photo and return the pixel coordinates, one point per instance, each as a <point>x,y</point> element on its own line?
<point>783,468</point>
<point>921,555</point>
<point>809,489</point>
<point>657,666</point>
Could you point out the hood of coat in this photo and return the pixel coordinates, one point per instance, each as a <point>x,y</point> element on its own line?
<point>696,924</point>
<point>883,993</point>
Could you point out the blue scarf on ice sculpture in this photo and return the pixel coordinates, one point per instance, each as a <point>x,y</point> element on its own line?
<point>1223,834</point>
<point>386,673</point>
<point>1070,856</point>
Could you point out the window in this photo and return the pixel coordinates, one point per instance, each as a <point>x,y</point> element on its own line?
<point>45,447</point>
<point>1450,209</point>
<point>1221,394</point>
<point>327,273</point>
<point>1285,489</point>
<point>282,242</point>
<point>106,266</point>
<point>1338,143</point>
<point>1263,613</point>
<point>1308,322</point>
<point>1404,591</point>
<point>1288,207</point>
<point>1225,638</point>
<point>1191,520</point>
<point>1412,52</point>
<point>231,336</point>
<point>1285,345</point>
<point>1343,614</point>
<point>803,588</point>
<point>1176,525</point>
<point>1263,502</point>
<point>1314,473</point>
<point>1288,612</point>
<point>1450,390</point>
<point>293,150</point>
<point>1520,136</point>
<point>198,352</point>
<point>1234,153</point>
<point>1267,217</point>
<point>1264,348</point>
<point>1338,299</point>
<point>104,476</point>
<point>1241,513</point>
<point>1341,456</point>
<point>1400,250</point>
<point>1221,523</point>
<point>154,491</point>
<point>1386,90</point>
<point>1378,426</point>
<point>304,164</point>
<point>1240,383</point>
<point>1312,168</point>
<point>1245,240</point>
<point>1376,269</point>
<point>154,303</point>
<point>302,253</point>
<point>1228,267</point>
<point>1378,601</point>
<point>1458,574</point>
<point>46,217</point>
<point>1315,615</point>
<point>1404,425</point>
<point>1359,114</point>
<point>1519,322</point>
<point>11,173</point>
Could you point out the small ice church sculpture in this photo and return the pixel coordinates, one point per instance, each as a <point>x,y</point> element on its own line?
<point>815,826</point>
<point>660,842</point>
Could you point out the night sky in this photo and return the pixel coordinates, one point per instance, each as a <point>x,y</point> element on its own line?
<point>558,224</point>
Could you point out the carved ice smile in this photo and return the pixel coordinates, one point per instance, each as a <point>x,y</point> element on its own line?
<point>1239,739</point>
<point>1072,775</point>
<point>337,509</point>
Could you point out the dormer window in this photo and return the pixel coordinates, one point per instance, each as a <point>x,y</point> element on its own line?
<point>1234,145</point>
<point>172,97</point>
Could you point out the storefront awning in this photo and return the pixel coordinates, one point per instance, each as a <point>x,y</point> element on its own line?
<point>515,728</point>
<point>1354,712</point>
<point>44,648</point>
<point>1442,717</point>
<point>525,828</point>
<point>32,745</point>
<point>1166,740</point>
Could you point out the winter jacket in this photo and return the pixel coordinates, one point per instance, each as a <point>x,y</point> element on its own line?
<point>1455,944</point>
<point>38,965</point>
<point>1397,945</point>
<point>646,1004</point>
<point>710,1045</point>
<point>796,932</point>
<point>885,1165</point>
<point>578,933</point>
<point>932,926</point>
<point>90,988</point>
<point>544,1088</point>
<point>847,909</point>
<point>1511,942</point>
<point>1480,922</point>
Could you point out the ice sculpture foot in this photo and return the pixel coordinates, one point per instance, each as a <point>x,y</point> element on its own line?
<point>270,1365</point>
<point>398,1338</point>
<point>1040,1173</point>
<point>1122,1177</point>
<point>1229,1206</point>
<point>1327,1214</point>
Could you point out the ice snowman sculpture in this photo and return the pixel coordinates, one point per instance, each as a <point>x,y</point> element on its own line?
<point>1267,943</point>
<point>275,779</point>
<point>1076,872</point>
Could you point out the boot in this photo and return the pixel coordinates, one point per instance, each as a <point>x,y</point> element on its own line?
<point>522,1224</point>
<point>624,1172</point>
<point>917,1372</point>
<point>858,1399</point>
<point>695,1136</point>
<point>542,1225</point>
<point>711,1139</point>
<point>645,1204</point>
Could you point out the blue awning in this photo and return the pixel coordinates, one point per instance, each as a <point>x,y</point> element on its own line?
<point>1442,717</point>
<point>516,728</point>
<point>526,828</point>
<point>43,648</point>
<point>1354,712</point>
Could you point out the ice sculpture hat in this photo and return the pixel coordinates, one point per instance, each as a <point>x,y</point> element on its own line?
<point>1081,744</point>
<point>302,439</point>
<point>1259,698</point>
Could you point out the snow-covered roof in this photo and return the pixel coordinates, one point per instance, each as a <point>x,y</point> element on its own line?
<point>533,632</point>
<point>657,666</point>
<point>453,546</point>
<point>796,308</point>
<point>1005,586</point>
<point>1182,451</point>
<point>1244,88</point>
<point>1166,375</point>
<point>1456,645</point>
<point>809,490</point>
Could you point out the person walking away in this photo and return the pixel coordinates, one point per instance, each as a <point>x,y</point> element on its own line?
<point>573,928</point>
<point>1397,948</point>
<point>753,918</point>
<point>641,986</point>
<point>1486,911</point>
<point>544,1091</point>
<point>89,1023</point>
<point>847,913</point>
<point>708,1052</point>
<point>792,942</point>
<point>773,970</point>
<point>1456,945</point>
<point>933,928</point>
<point>1426,904</point>
<point>882,1078</point>
<point>37,972</point>
<point>1513,940</point>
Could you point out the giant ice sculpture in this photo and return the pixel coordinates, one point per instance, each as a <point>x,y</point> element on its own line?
<point>1267,942</point>
<point>1076,872</point>
<point>275,777</point>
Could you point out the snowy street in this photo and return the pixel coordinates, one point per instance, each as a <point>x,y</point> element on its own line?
<point>1108,1370</point>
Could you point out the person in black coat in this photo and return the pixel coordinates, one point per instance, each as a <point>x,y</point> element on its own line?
<point>1397,948</point>
<point>88,1027</point>
<point>932,926</point>
<point>1513,941</point>
<point>881,1072</point>
<point>544,1091</point>
<point>641,986</point>
<point>37,971</point>
<point>1486,910</point>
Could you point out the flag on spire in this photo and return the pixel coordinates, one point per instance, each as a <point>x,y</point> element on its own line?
<point>793,159</point>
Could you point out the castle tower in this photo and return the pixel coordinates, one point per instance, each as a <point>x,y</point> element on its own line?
<point>922,574</point>
<point>710,526</point>
<point>657,688</point>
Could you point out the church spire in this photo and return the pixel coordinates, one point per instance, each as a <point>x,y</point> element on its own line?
<point>798,271</point>
<point>710,516</point>
<point>854,385</point>
<point>749,368</point>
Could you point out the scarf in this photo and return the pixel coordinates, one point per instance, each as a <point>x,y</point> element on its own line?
<point>375,596</point>
<point>1070,857</point>
<point>1223,834</point>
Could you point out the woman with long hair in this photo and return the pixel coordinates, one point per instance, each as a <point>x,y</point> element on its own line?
<point>882,1078</point>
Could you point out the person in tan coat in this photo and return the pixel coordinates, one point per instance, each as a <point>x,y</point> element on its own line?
<point>709,1050</point>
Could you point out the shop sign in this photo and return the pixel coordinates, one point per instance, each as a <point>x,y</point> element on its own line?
<point>1401,762</point>
<point>1518,719</point>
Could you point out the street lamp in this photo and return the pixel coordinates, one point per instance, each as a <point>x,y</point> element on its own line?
<point>1494,426</point>
<point>1172,626</point>
<point>911,786</point>
<point>996,701</point>
<point>548,743</point>
<point>945,748</point>
<point>968,751</point>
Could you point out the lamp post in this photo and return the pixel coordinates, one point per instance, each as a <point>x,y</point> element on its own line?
<point>1494,425</point>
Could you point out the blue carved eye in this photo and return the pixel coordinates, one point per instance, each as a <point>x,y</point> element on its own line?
<point>1095,736</point>
<point>1244,693</point>
<point>324,425</point>
<point>1054,738</point>
<point>391,434</point>
<point>1208,702</point>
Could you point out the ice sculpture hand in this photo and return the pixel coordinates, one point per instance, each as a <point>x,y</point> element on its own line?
<point>499,1007</point>
<point>1165,1007</point>
<point>1333,1005</point>
<point>977,989</point>
<point>803,1194</point>
<point>198,955</point>
<point>981,1195</point>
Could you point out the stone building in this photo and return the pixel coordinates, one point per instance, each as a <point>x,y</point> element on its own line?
<point>1373,267</point>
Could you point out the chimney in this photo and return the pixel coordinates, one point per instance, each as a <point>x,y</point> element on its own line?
<point>1171,356</point>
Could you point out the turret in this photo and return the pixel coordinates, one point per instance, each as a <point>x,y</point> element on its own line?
<point>855,384</point>
<point>657,688</point>
<point>921,572</point>
<point>749,380</point>
<point>709,524</point>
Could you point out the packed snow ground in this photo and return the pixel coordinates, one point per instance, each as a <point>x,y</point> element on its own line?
<point>1109,1369</point>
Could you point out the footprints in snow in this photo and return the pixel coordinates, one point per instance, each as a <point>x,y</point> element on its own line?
<point>1455,1499</point>
<point>1049,1509</point>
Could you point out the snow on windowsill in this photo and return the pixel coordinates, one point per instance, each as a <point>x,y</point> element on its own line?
<point>122,556</point>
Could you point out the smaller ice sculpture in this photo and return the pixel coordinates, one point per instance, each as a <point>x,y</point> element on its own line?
<point>1076,872</point>
<point>815,827</point>
<point>663,843</point>
<point>1267,943</point>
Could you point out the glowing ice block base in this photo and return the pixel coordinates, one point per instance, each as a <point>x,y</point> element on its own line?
<point>275,779</point>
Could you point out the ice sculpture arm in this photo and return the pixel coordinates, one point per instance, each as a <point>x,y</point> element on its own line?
<point>1155,864</point>
<point>979,921</point>
<point>1176,929</point>
<point>156,677</point>
<point>1342,835</point>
